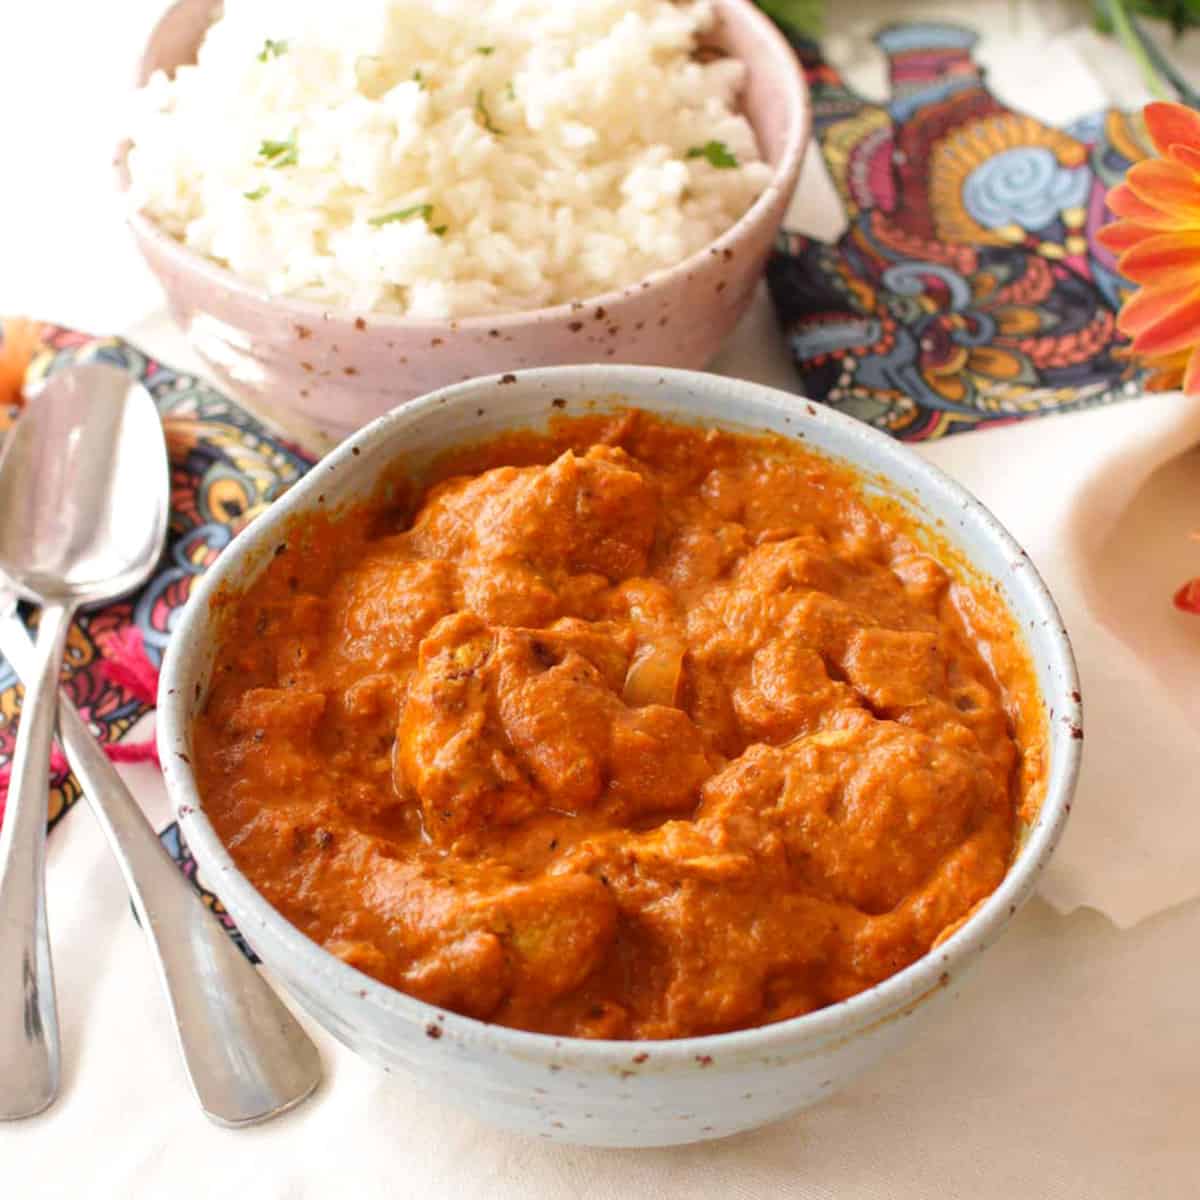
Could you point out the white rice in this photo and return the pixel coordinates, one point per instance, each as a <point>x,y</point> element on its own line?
<point>373,108</point>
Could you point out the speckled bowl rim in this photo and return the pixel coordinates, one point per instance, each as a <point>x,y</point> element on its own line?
<point>755,404</point>
<point>784,177</point>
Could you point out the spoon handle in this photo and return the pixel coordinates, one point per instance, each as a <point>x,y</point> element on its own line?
<point>246,1056</point>
<point>29,1047</point>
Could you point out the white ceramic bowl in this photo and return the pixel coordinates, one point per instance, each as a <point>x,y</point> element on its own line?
<point>618,1093</point>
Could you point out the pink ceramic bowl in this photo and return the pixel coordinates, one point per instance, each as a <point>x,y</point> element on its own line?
<point>331,371</point>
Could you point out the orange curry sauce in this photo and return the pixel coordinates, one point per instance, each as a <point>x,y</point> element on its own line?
<point>629,730</point>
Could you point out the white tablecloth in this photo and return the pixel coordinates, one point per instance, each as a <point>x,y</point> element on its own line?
<point>1070,1065</point>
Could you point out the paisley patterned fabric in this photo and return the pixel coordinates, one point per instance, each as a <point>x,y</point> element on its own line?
<point>968,288</point>
<point>225,468</point>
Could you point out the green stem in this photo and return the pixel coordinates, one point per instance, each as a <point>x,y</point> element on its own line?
<point>1124,29</point>
<point>1161,64</point>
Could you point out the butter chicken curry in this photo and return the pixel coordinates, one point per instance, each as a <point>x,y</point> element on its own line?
<point>629,730</point>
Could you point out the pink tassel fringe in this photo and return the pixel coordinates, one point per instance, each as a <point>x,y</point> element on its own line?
<point>127,664</point>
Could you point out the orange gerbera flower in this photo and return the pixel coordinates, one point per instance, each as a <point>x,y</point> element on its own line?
<point>1157,241</point>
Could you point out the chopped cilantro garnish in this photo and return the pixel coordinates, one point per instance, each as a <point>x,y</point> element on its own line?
<point>257,194</point>
<point>485,117</point>
<point>424,211</point>
<point>280,154</point>
<point>272,49</point>
<point>485,50</point>
<point>716,153</point>
<point>419,79</point>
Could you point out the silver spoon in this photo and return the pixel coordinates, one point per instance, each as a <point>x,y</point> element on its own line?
<point>83,511</point>
<point>82,520</point>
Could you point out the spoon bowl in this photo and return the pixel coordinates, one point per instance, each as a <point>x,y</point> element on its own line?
<point>84,489</point>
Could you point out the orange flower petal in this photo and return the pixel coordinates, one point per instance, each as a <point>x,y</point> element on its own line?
<point>1185,156</point>
<point>1124,203</point>
<point>1172,189</point>
<point>1149,305</point>
<point>1167,370</point>
<point>1187,599</point>
<point>1161,258</point>
<point>1176,329</point>
<point>20,340</point>
<point>1191,377</point>
<point>1172,124</point>
<point>1162,379</point>
<point>1121,235</point>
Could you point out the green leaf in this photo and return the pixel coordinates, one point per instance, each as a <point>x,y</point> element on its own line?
<point>280,154</point>
<point>485,117</point>
<point>805,17</point>
<point>257,194</point>
<point>424,211</point>
<point>717,154</point>
<point>485,50</point>
<point>272,49</point>
<point>419,79</point>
